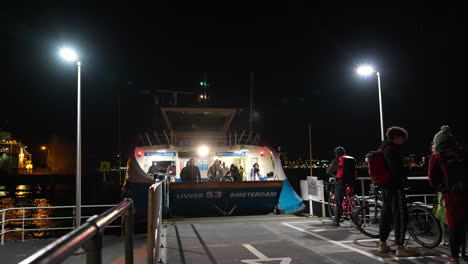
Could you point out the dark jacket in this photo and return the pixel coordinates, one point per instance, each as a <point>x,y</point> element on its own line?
<point>333,169</point>
<point>456,204</point>
<point>394,162</point>
<point>190,174</point>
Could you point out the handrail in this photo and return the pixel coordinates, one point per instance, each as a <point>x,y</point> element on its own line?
<point>24,219</point>
<point>90,236</point>
<point>154,222</point>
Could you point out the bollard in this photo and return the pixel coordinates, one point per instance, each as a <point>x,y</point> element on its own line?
<point>93,249</point>
<point>128,230</point>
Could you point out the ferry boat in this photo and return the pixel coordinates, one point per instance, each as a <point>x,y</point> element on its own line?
<point>203,133</point>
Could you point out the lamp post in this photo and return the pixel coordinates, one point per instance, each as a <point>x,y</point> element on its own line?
<point>45,148</point>
<point>366,70</point>
<point>70,55</point>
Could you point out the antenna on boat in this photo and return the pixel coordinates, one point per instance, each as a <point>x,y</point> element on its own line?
<point>251,100</point>
<point>205,85</point>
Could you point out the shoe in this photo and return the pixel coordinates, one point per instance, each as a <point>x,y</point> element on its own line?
<point>404,252</point>
<point>384,248</point>
<point>452,261</point>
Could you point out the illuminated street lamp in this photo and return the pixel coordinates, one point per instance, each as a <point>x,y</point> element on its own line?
<point>367,70</point>
<point>44,148</point>
<point>71,55</point>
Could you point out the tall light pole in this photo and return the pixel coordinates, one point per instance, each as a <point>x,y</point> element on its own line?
<point>366,70</point>
<point>70,55</point>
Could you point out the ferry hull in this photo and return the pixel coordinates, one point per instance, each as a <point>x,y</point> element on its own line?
<point>224,198</point>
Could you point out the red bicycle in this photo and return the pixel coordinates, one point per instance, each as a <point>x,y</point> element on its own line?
<point>350,202</point>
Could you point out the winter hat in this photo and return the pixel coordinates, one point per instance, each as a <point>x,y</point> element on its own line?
<point>444,138</point>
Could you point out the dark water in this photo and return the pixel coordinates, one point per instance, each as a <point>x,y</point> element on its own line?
<point>47,195</point>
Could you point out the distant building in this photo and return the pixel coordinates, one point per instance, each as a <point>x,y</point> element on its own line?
<point>13,155</point>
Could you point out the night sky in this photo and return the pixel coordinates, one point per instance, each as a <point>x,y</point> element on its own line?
<point>303,61</point>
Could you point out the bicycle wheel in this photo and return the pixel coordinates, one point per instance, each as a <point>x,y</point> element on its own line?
<point>352,206</point>
<point>423,227</point>
<point>367,219</point>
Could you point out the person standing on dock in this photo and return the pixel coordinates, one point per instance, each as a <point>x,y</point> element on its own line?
<point>448,173</point>
<point>394,206</point>
<point>343,169</point>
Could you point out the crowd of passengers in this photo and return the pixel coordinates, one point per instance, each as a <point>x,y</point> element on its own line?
<point>448,174</point>
<point>219,172</point>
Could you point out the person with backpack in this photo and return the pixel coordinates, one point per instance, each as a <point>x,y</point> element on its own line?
<point>448,173</point>
<point>387,171</point>
<point>343,169</point>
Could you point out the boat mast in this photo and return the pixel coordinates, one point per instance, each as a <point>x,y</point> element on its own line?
<point>251,100</point>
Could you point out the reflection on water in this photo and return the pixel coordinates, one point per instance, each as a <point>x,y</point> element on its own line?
<point>33,196</point>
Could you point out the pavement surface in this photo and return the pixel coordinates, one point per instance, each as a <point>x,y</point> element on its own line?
<point>252,240</point>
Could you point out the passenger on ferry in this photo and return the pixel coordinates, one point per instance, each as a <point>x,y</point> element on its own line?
<point>154,169</point>
<point>191,173</point>
<point>255,173</point>
<point>226,169</point>
<point>448,173</point>
<point>171,169</point>
<point>241,172</point>
<point>215,172</point>
<point>234,173</point>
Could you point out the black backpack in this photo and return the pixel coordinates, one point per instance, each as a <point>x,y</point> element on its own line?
<point>454,164</point>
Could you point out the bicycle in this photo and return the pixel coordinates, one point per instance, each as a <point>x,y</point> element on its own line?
<point>423,227</point>
<point>349,205</point>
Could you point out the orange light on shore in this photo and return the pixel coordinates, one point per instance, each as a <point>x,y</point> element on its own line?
<point>43,147</point>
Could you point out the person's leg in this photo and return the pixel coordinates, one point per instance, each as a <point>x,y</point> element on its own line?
<point>338,203</point>
<point>401,222</point>
<point>400,213</point>
<point>456,237</point>
<point>385,223</point>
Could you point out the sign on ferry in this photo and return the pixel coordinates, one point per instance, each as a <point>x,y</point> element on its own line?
<point>160,154</point>
<point>230,154</point>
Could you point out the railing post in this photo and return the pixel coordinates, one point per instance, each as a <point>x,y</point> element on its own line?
<point>93,249</point>
<point>150,243</point>
<point>22,230</point>
<point>128,230</point>
<point>74,216</point>
<point>159,223</point>
<point>3,227</point>
<point>363,191</point>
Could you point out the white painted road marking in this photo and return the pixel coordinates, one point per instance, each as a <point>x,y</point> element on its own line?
<point>339,244</point>
<point>262,258</point>
<point>365,253</point>
<point>254,251</point>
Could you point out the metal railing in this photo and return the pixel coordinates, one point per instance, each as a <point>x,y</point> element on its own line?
<point>89,235</point>
<point>419,178</point>
<point>154,222</point>
<point>24,220</point>
<point>229,139</point>
<point>363,195</point>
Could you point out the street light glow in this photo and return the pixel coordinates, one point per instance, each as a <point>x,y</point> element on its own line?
<point>43,148</point>
<point>68,54</point>
<point>365,70</point>
<point>203,151</point>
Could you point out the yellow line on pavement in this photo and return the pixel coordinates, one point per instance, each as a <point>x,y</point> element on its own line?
<point>238,219</point>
